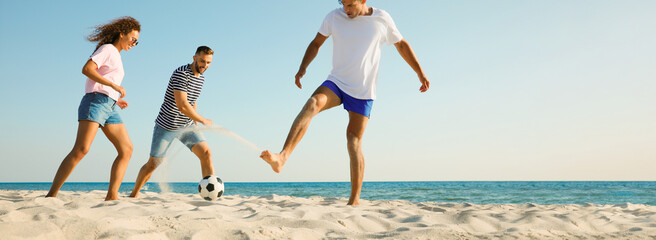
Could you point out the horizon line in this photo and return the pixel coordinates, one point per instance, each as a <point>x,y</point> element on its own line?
<point>392,181</point>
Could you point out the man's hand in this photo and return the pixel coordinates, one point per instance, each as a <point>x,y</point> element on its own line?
<point>425,84</point>
<point>122,103</point>
<point>207,122</point>
<point>299,75</point>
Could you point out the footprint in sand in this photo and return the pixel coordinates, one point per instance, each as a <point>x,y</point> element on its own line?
<point>106,204</point>
<point>341,222</point>
<point>432,209</point>
<point>201,203</point>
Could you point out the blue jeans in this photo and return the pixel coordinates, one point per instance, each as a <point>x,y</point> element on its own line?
<point>98,107</point>
<point>162,139</point>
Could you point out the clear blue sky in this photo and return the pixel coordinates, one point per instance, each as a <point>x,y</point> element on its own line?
<point>521,90</point>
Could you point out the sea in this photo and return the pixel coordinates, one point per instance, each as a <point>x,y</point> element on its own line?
<point>476,192</point>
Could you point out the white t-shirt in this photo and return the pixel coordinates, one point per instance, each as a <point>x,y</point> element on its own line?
<point>110,67</point>
<point>356,49</point>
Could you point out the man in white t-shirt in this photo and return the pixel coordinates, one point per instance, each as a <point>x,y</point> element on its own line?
<point>358,31</point>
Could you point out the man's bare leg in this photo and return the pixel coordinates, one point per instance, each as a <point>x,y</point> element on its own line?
<point>323,98</point>
<point>202,151</point>
<point>144,174</point>
<point>354,133</point>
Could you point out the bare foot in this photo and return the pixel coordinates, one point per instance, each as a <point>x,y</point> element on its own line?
<point>111,198</point>
<point>277,161</point>
<point>354,203</point>
<point>52,193</point>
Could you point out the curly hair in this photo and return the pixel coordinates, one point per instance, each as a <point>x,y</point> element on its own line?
<point>109,33</point>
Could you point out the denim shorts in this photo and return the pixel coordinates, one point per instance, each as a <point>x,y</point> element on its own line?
<point>100,108</point>
<point>162,139</point>
<point>361,106</point>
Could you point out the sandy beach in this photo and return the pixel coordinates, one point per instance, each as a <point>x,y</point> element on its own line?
<point>84,215</point>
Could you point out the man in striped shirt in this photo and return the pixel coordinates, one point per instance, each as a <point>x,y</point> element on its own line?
<point>178,116</point>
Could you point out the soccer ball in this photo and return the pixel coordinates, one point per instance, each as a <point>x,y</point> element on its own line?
<point>210,187</point>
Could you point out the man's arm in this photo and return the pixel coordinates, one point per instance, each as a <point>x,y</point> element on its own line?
<point>190,111</point>
<point>195,109</point>
<point>310,54</point>
<point>409,56</point>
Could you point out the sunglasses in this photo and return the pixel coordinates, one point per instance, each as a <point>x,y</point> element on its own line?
<point>135,42</point>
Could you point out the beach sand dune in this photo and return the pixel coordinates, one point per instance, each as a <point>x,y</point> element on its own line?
<point>84,215</point>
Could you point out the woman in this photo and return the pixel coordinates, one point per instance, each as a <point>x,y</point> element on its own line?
<point>104,70</point>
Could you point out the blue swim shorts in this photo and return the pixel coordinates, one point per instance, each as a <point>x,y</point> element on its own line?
<point>361,106</point>
<point>162,139</point>
<point>98,107</point>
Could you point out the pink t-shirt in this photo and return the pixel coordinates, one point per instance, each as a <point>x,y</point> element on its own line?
<point>110,67</point>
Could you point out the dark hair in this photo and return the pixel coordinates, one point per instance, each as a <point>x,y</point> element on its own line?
<point>340,2</point>
<point>109,33</point>
<point>205,50</point>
